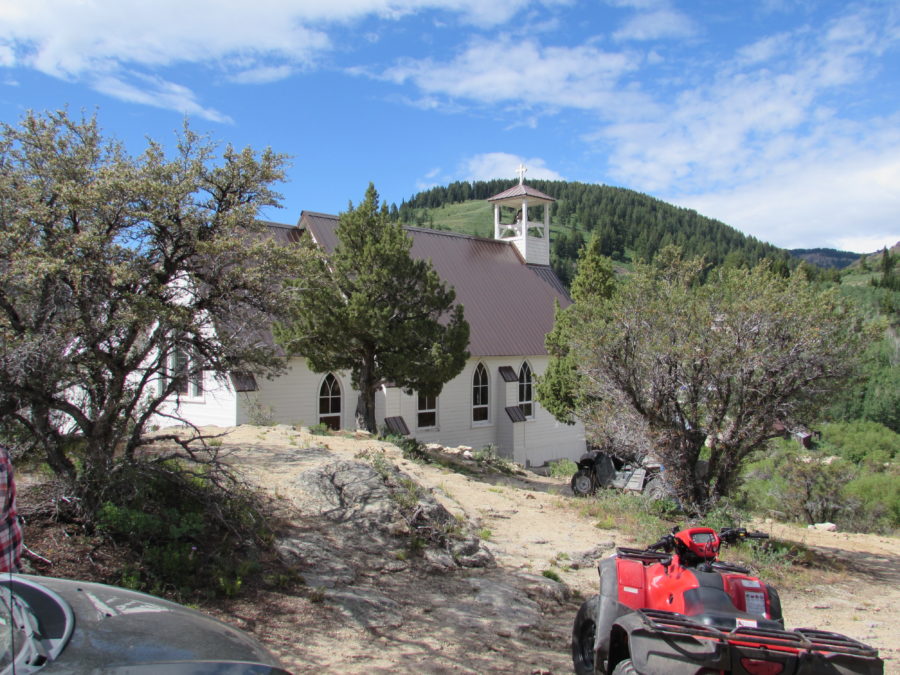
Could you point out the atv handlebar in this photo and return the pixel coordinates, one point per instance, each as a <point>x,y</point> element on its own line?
<point>730,535</point>
<point>666,543</point>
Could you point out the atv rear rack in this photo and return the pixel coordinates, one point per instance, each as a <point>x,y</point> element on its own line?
<point>797,640</point>
<point>643,555</point>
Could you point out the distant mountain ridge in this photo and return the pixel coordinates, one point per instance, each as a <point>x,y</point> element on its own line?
<point>826,257</point>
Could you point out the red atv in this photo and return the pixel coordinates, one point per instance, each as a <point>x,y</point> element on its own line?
<point>674,608</point>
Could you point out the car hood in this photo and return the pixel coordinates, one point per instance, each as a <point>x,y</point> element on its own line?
<point>121,631</point>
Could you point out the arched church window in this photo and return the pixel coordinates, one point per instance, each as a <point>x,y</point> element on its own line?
<point>480,409</point>
<point>526,402</point>
<point>330,402</point>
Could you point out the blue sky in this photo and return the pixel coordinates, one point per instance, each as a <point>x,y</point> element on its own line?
<point>779,117</point>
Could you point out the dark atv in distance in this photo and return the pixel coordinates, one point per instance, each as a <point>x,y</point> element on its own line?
<point>674,609</point>
<point>600,469</point>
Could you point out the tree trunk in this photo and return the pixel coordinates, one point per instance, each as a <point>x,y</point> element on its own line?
<point>365,406</point>
<point>365,410</point>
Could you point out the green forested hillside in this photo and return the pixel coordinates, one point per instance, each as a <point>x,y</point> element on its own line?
<point>631,225</point>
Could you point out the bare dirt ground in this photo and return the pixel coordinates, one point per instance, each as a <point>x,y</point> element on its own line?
<point>420,620</point>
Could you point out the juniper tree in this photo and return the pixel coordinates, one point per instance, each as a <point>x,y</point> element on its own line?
<point>378,312</point>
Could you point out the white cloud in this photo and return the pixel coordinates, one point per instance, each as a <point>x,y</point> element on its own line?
<point>849,201</point>
<point>759,146</point>
<point>491,165</point>
<point>750,115</point>
<point>7,55</point>
<point>491,71</point>
<point>262,75</point>
<point>107,42</point>
<point>656,24</point>
<point>763,50</point>
<point>156,92</point>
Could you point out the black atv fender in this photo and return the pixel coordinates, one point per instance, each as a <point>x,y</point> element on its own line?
<point>611,644</point>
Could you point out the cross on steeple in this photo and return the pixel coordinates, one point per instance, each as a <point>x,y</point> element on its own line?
<point>521,173</point>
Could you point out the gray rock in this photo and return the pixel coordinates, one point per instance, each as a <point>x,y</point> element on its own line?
<point>542,588</point>
<point>316,560</point>
<point>368,608</point>
<point>393,566</point>
<point>493,605</point>
<point>481,558</point>
<point>439,560</point>
<point>591,557</point>
<point>465,547</point>
<point>504,605</point>
<point>343,491</point>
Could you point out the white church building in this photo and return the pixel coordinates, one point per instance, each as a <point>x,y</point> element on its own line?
<point>508,291</point>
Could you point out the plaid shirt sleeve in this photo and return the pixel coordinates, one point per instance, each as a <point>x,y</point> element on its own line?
<point>10,529</point>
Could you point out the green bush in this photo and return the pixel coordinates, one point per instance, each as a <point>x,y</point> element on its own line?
<point>487,457</point>
<point>876,497</point>
<point>563,468</point>
<point>413,450</point>
<point>860,442</point>
<point>192,533</point>
<point>825,484</point>
<point>552,575</point>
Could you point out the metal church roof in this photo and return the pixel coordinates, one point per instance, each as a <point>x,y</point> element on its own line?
<point>521,190</point>
<point>509,305</point>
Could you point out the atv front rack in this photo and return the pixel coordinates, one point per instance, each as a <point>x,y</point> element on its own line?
<point>796,641</point>
<point>645,556</point>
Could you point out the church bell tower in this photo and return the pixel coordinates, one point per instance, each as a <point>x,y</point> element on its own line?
<point>513,210</point>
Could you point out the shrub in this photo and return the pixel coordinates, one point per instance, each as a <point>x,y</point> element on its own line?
<point>183,526</point>
<point>412,449</point>
<point>488,457</point>
<point>876,501</point>
<point>563,468</point>
<point>861,442</point>
<point>550,574</point>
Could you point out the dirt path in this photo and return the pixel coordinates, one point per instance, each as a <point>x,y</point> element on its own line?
<point>530,526</point>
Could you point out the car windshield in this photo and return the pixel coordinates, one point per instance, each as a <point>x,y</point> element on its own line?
<point>12,638</point>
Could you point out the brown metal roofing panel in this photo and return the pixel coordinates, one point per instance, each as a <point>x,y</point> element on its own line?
<point>321,226</point>
<point>515,414</point>
<point>546,273</point>
<point>283,234</point>
<point>510,309</point>
<point>520,190</point>
<point>507,373</point>
<point>509,305</point>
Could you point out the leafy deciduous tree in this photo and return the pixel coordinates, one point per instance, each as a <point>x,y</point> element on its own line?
<point>710,369</point>
<point>377,312</point>
<point>110,266</point>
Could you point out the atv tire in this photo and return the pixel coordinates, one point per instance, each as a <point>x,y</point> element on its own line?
<point>582,483</point>
<point>583,634</point>
<point>625,667</point>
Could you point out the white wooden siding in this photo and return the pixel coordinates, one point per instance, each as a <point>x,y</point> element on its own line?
<point>216,406</point>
